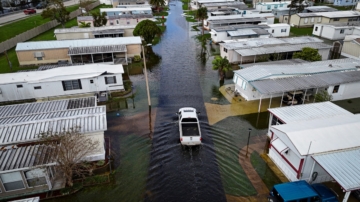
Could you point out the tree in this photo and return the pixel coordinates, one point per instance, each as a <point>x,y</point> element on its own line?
<point>72,148</point>
<point>85,4</point>
<point>222,65</point>
<point>99,18</point>
<point>56,11</point>
<point>147,29</point>
<point>157,3</point>
<point>299,6</point>
<point>308,54</point>
<point>201,15</point>
<point>84,24</point>
<point>323,96</point>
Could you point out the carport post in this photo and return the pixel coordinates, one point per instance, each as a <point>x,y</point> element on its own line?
<point>282,97</point>
<point>286,55</point>
<point>260,103</point>
<point>254,58</point>
<point>241,60</point>
<point>292,101</point>
<point>304,96</point>
<point>270,100</point>
<point>311,172</point>
<point>346,197</point>
<point>316,93</point>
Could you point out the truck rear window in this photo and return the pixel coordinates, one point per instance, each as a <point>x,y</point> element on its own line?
<point>187,120</point>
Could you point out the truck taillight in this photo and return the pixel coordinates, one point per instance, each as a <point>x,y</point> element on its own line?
<point>180,139</point>
<point>200,139</point>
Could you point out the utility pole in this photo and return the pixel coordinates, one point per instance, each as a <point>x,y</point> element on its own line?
<point>7,58</point>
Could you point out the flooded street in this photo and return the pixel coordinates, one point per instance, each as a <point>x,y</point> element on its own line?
<point>147,159</point>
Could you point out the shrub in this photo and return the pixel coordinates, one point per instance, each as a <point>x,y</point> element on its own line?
<point>137,58</point>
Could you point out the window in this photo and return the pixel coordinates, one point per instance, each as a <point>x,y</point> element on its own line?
<point>35,177</point>
<point>306,20</point>
<point>110,80</point>
<point>117,22</point>
<point>12,181</point>
<point>283,30</point>
<point>275,6</point>
<point>342,31</point>
<point>336,19</point>
<point>111,23</point>
<point>225,50</point>
<point>336,89</point>
<point>319,19</point>
<point>268,7</point>
<point>19,86</point>
<point>316,28</point>
<point>39,58</point>
<point>128,23</point>
<point>312,20</point>
<point>71,85</point>
<point>37,87</point>
<point>281,5</point>
<point>91,81</point>
<point>272,31</point>
<point>39,55</point>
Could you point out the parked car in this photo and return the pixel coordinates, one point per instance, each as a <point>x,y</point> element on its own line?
<point>29,11</point>
<point>301,191</point>
<point>41,5</point>
<point>293,98</point>
<point>189,127</point>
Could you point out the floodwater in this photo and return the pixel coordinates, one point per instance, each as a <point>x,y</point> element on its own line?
<point>147,159</point>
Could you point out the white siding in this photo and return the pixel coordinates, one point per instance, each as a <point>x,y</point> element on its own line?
<point>346,91</point>
<point>282,165</point>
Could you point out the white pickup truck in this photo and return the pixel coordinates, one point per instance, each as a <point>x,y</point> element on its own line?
<point>189,126</point>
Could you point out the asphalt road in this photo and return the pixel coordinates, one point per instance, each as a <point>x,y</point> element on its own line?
<point>17,16</point>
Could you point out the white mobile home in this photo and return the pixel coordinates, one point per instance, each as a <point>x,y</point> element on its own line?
<point>252,50</point>
<point>336,31</point>
<point>279,30</point>
<point>267,7</point>
<point>351,46</point>
<point>196,4</point>
<point>62,81</point>
<point>94,32</point>
<point>313,150</point>
<point>339,78</point>
<point>123,11</point>
<point>29,167</point>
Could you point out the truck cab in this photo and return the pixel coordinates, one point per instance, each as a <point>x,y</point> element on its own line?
<point>301,191</point>
<point>189,127</point>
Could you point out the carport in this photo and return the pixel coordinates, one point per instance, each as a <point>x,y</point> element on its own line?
<point>306,82</point>
<point>343,166</point>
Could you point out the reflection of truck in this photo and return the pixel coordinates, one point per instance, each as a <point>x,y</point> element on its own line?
<point>293,98</point>
<point>189,126</point>
<point>301,191</point>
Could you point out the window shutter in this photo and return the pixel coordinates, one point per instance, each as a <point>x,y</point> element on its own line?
<point>63,84</point>
<point>106,82</point>
<point>114,79</point>
<point>80,83</point>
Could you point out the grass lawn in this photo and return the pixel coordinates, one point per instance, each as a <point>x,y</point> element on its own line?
<point>162,13</point>
<point>301,31</point>
<point>46,36</point>
<point>10,30</point>
<point>185,5</point>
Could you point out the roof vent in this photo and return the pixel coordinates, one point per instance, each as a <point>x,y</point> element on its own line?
<point>330,65</point>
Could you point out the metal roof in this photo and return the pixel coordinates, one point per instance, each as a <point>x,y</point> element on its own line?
<point>60,74</point>
<point>96,49</point>
<point>276,62</point>
<point>343,166</point>
<point>334,14</point>
<point>272,86</point>
<point>85,18</point>
<point>280,49</point>
<point>26,157</point>
<point>30,131</point>
<point>46,67</point>
<point>239,20</point>
<point>213,1</point>
<point>340,25</point>
<point>320,9</point>
<point>242,32</point>
<point>233,3</point>
<point>261,42</point>
<point>42,45</point>
<point>306,112</point>
<point>325,135</point>
<point>51,115</point>
<point>232,17</point>
<point>111,29</point>
<point>133,16</point>
<point>142,8</point>
<point>236,27</point>
<point>261,31</point>
<point>263,71</point>
<point>48,106</point>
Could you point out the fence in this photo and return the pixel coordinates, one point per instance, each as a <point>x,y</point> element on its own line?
<point>6,45</point>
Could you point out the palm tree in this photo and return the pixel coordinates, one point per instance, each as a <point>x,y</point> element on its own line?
<point>157,4</point>
<point>84,24</point>
<point>222,65</point>
<point>201,15</point>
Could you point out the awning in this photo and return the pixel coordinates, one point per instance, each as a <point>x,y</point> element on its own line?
<point>279,146</point>
<point>343,166</point>
<point>96,49</point>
